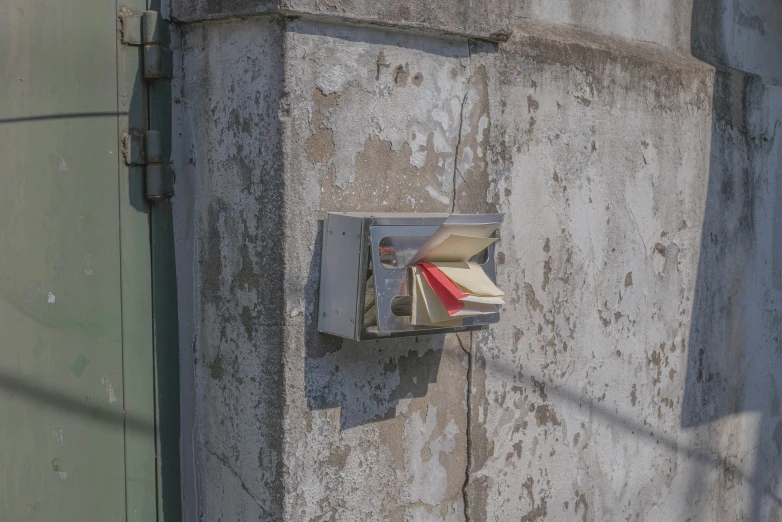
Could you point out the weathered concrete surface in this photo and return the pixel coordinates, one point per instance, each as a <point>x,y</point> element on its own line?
<point>638,237</point>
<point>634,374</point>
<point>229,112</point>
<point>745,35</point>
<point>665,22</point>
<point>731,400</point>
<point>600,161</point>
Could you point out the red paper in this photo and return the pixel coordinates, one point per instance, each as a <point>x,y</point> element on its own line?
<point>445,289</point>
<point>444,280</point>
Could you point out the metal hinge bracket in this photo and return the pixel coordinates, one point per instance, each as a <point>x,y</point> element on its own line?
<point>131,27</point>
<point>133,147</point>
<point>160,179</point>
<point>157,57</point>
<point>146,149</point>
<point>149,30</point>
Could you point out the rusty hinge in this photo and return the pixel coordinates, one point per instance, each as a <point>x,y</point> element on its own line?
<point>157,56</point>
<point>148,29</point>
<point>147,149</point>
<point>159,176</point>
<point>150,148</point>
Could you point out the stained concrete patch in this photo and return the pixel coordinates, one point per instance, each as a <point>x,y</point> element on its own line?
<point>544,415</point>
<point>320,145</point>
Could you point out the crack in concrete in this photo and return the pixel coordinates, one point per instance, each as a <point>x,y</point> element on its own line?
<point>465,495</point>
<point>461,124</point>
<point>468,406</point>
<point>227,466</point>
<point>461,345</point>
<point>463,178</point>
<point>637,228</point>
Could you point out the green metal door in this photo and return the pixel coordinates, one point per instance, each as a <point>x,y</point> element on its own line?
<point>77,382</point>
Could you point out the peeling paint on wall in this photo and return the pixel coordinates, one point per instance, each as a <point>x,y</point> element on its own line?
<point>108,388</point>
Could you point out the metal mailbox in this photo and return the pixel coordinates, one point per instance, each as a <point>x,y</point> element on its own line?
<point>364,261</point>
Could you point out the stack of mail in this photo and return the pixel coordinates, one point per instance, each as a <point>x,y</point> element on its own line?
<point>445,285</point>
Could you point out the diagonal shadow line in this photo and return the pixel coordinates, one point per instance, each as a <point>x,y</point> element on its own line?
<point>706,456</point>
<point>63,116</point>
<point>28,390</point>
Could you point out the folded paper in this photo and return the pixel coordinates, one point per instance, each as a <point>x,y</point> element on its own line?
<point>445,290</point>
<point>445,285</point>
<point>458,248</point>
<point>431,270</point>
<point>426,307</point>
<point>470,277</point>
<point>452,227</point>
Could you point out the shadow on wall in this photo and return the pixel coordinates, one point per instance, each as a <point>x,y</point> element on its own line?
<point>734,357</point>
<point>365,379</point>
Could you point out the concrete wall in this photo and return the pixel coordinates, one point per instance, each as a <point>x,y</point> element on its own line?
<point>664,22</point>
<point>634,374</point>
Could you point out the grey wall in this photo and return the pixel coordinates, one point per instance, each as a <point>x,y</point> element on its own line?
<point>635,372</point>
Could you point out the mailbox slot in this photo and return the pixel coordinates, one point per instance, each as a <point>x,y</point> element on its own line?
<point>364,260</point>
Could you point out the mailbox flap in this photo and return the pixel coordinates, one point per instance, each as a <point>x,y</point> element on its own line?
<point>340,277</point>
